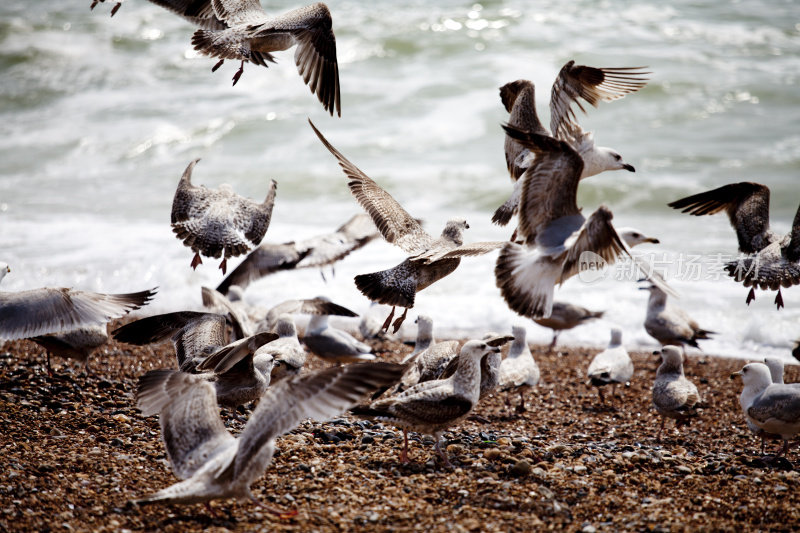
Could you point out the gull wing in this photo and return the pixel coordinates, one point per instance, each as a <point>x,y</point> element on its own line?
<point>394,223</point>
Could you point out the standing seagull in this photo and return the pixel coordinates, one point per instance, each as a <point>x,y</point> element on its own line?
<point>334,344</point>
<point>574,82</point>
<point>77,344</point>
<point>772,261</point>
<point>48,310</point>
<point>431,259</point>
<point>674,396</point>
<point>212,463</point>
<point>669,324</point>
<point>566,316</point>
<point>251,36</point>
<point>433,406</point>
<point>519,370</point>
<point>317,251</point>
<point>213,221</point>
<point>772,407</point>
<point>554,232</point>
<point>611,366</point>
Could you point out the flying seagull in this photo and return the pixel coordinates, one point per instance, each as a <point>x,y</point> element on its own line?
<point>317,251</point>
<point>218,221</point>
<point>47,310</point>
<point>573,84</point>
<point>555,235</point>
<point>772,261</point>
<point>213,464</point>
<point>430,258</point>
<point>252,36</point>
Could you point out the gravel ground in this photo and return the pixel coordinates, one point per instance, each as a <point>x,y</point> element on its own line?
<point>75,451</point>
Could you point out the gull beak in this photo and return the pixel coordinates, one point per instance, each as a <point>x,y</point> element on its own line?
<point>628,167</point>
<point>652,240</point>
<point>657,352</point>
<point>735,375</point>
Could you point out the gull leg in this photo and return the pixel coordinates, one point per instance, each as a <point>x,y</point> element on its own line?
<point>322,273</point>
<point>224,265</point>
<point>553,344</point>
<point>116,8</point>
<point>601,396</point>
<point>404,453</point>
<point>196,261</point>
<point>238,73</point>
<point>388,320</point>
<point>94,3</point>
<point>217,65</point>
<point>442,454</point>
<point>661,429</point>
<point>521,407</point>
<point>779,299</point>
<point>273,510</point>
<point>751,295</point>
<point>399,321</point>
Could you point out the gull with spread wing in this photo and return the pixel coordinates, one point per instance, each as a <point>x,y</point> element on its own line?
<point>212,463</point>
<point>217,221</point>
<point>573,84</point>
<point>554,232</point>
<point>772,261</point>
<point>431,259</point>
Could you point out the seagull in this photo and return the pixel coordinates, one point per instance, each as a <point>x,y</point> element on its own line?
<point>213,221</point>
<point>566,316</point>
<point>252,36</point>
<point>611,366</point>
<point>288,353</point>
<point>433,406</point>
<point>318,251</point>
<point>48,310</point>
<point>320,305</point>
<point>77,344</point>
<point>240,370</point>
<point>556,236</point>
<point>669,324</point>
<point>424,336</point>
<point>573,83</point>
<point>772,407</point>
<point>771,261</point>
<point>213,464</point>
<point>519,370</point>
<point>431,259</point>
<point>775,367</point>
<point>674,396</point>
<point>334,344</point>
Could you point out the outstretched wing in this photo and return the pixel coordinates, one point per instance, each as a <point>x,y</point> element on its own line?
<point>519,99</point>
<point>576,82</point>
<point>467,250</point>
<point>747,206</point>
<point>394,223</point>
<point>198,12</point>
<point>320,396</point>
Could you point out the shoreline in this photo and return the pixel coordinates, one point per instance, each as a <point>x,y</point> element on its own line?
<point>77,450</point>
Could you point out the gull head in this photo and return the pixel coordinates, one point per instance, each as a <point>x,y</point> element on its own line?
<point>775,366</point>
<point>285,326</point>
<point>755,376</point>
<point>519,332</point>
<point>475,349</point>
<point>612,160</point>
<point>671,360</point>
<point>424,325</point>
<point>454,230</point>
<point>616,337</point>
<point>263,361</point>
<point>633,237</point>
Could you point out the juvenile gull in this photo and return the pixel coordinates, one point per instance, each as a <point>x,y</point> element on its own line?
<point>772,407</point>
<point>251,36</point>
<point>212,463</point>
<point>573,83</point>
<point>77,344</point>
<point>431,259</point>
<point>218,221</point>
<point>334,344</point>
<point>611,366</point>
<point>674,396</point>
<point>424,335</point>
<point>555,234</point>
<point>519,369</point>
<point>289,354</point>
<point>35,312</point>
<point>318,251</point>
<point>566,316</point>
<point>433,406</point>
<point>669,324</point>
<point>772,261</point>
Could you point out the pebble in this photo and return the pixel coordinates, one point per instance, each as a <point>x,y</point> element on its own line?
<point>522,468</point>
